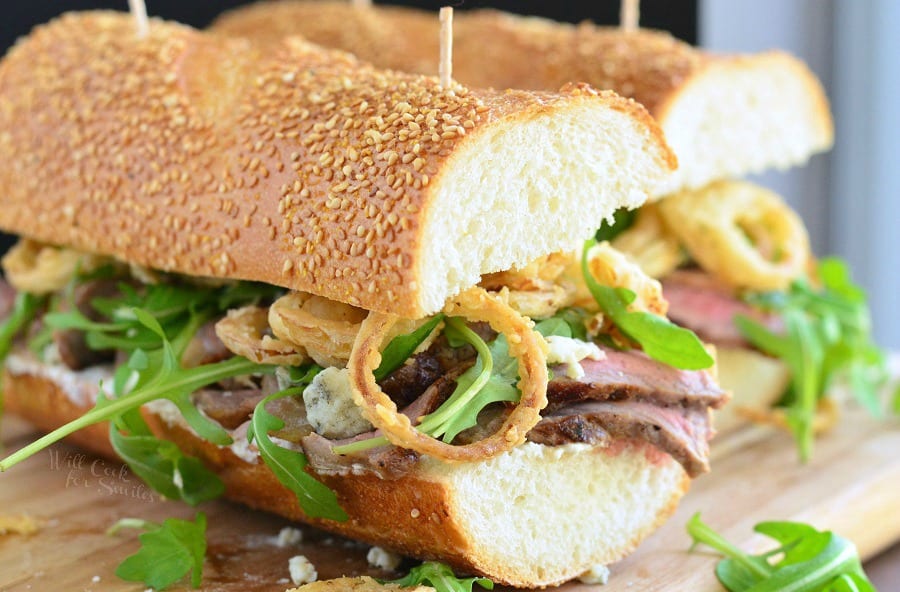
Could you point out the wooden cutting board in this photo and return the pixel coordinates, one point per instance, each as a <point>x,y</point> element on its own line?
<point>851,486</point>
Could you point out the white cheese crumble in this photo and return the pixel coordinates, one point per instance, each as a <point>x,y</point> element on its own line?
<point>289,536</point>
<point>330,408</point>
<point>569,351</point>
<point>302,571</point>
<point>383,559</point>
<point>599,574</point>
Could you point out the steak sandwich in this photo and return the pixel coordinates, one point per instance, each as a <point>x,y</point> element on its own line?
<point>348,295</point>
<point>725,249</point>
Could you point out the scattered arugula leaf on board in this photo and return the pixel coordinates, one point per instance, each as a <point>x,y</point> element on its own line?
<point>316,499</point>
<point>441,578</point>
<point>826,336</point>
<point>660,339</point>
<point>169,551</point>
<point>807,560</point>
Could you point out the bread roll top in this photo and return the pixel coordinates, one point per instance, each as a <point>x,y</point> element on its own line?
<point>299,166</point>
<point>724,115</point>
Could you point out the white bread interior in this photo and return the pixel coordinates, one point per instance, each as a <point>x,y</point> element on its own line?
<point>499,206</point>
<point>541,515</point>
<point>743,115</point>
<point>755,381</point>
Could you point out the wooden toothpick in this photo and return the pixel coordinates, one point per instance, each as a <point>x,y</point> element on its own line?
<point>630,15</point>
<point>445,68</point>
<point>139,12</point>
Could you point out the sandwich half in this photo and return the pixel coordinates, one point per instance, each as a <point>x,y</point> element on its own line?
<point>729,253</point>
<point>348,295</point>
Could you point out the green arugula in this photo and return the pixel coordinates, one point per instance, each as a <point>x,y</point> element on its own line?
<point>402,347</point>
<point>622,220</point>
<point>658,337</point>
<point>168,551</point>
<point>316,500</point>
<point>567,322</point>
<point>491,379</point>
<point>441,578</point>
<point>162,379</point>
<point>24,309</point>
<point>827,335</point>
<point>807,560</point>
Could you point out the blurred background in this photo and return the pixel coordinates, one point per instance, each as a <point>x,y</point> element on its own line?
<point>849,197</point>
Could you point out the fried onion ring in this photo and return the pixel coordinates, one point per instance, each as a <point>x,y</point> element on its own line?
<point>651,244</point>
<point>41,269</point>
<point>475,304</point>
<point>612,268</point>
<point>324,328</point>
<point>243,333</point>
<point>741,233</point>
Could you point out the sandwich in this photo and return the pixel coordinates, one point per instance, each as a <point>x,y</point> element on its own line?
<point>347,295</point>
<point>733,257</point>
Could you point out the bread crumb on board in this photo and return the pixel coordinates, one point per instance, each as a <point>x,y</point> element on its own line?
<point>363,584</point>
<point>18,524</point>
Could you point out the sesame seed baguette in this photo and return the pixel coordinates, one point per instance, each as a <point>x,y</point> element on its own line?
<point>509,518</point>
<point>300,166</point>
<point>724,115</point>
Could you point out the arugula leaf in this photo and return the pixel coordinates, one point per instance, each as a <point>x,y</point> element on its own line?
<point>827,335</point>
<point>441,578</point>
<point>807,560</point>
<point>168,552</point>
<point>492,379</point>
<point>24,308</point>
<point>402,347</point>
<point>658,337</point>
<point>161,464</point>
<point>167,382</point>
<point>316,499</point>
<point>622,220</point>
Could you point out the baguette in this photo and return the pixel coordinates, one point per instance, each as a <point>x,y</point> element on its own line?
<point>724,115</point>
<point>378,189</point>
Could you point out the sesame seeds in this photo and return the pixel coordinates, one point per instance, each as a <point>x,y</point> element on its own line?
<point>309,174</point>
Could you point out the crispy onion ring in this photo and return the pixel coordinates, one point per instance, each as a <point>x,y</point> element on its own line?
<point>611,268</point>
<point>243,333</point>
<point>324,328</point>
<point>41,269</point>
<point>475,304</point>
<point>650,244</point>
<point>743,234</point>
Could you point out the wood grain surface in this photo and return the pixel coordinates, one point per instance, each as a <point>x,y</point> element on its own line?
<point>851,486</point>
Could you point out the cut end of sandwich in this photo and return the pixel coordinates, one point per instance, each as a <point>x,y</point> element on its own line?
<point>741,115</point>
<point>507,197</point>
<point>599,503</point>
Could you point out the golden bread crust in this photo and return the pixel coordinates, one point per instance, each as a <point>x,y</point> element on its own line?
<point>196,153</point>
<point>412,515</point>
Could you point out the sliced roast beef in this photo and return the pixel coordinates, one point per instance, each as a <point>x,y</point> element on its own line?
<point>700,303</point>
<point>682,432</point>
<point>625,375</point>
<point>387,462</point>
<point>7,299</point>
<point>405,384</point>
<point>71,343</point>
